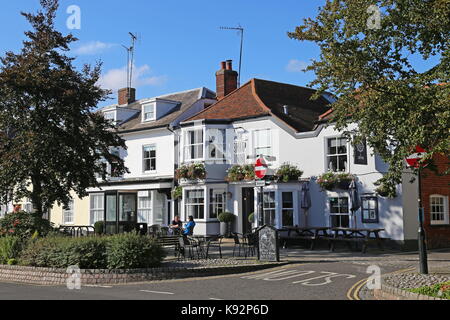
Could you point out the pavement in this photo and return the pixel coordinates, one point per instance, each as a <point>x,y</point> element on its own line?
<point>311,275</point>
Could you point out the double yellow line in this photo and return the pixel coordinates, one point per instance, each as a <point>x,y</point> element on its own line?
<point>353,292</point>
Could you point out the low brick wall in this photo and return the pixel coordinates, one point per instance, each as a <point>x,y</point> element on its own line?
<point>391,293</point>
<point>49,276</point>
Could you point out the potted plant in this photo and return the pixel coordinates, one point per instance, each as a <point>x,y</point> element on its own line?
<point>327,181</point>
<point>288,172</point>
<point>226,219</point>
<point>177,193</point>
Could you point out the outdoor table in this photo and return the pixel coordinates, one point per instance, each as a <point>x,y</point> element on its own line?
<point>356,235</point>
<point>201,242</point>
<point>307,233</point>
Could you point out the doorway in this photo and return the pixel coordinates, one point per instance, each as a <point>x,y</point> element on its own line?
<point>248,207</point>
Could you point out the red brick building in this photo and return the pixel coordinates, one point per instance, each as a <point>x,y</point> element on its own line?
<point>435,199</point>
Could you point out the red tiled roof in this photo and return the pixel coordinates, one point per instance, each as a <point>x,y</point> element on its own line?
<point>261,98</point>
<point>241,103</point>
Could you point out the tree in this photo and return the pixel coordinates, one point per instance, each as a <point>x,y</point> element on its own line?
<point>52,141</point>
<point>368,54</point>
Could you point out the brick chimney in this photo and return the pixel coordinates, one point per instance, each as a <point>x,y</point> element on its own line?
<point>125,98</point>
<point>226,79</point>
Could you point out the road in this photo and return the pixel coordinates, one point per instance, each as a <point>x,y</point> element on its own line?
<point>311,281</point>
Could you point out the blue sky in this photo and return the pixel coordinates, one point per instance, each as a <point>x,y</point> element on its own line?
<point>180,44</point>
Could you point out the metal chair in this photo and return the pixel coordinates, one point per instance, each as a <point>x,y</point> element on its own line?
<point>238,243</point>
<point>190,245</point>
<point>215,242</point>
<point>251,244</point>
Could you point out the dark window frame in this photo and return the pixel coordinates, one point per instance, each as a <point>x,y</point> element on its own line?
<point>367,199</point>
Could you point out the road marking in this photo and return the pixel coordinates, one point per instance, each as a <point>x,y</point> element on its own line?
<point>157,292</point>
<point>215,299</point>
<point>280,275</point>
<point>96,286</point>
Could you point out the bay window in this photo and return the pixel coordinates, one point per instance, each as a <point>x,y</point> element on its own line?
<point>216,143</point>
<point>144,211</point>
<point>262,140</point>
<point>193,144</point>
<point>217,199</point>
<point>195,204</point>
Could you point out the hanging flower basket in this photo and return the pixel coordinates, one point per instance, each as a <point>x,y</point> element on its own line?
<point>193,171</point>
<point>241,173</point>
<point>327,181</point>
<point>344,180</point>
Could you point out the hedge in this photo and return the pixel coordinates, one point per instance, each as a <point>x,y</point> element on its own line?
<point>125,251</point>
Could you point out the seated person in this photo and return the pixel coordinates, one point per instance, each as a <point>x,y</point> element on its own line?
<point>189,227</point>
<point>176,226</point>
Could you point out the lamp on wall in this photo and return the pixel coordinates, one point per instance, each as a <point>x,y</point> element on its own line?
<point>229,195</point>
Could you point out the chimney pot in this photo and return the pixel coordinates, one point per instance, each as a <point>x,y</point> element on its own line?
<point>226,79</point>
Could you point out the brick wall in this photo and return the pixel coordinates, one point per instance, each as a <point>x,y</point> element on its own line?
<point>51,276</point>
<point>438,235</point>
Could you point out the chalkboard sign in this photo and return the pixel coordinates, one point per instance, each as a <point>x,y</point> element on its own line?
<point>268,246</point>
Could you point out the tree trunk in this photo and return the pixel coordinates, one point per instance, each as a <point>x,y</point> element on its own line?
<point>36,196</point>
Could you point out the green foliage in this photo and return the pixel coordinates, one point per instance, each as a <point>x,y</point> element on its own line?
<point>53,140</point>
<point>441,290</point>
<point>10,248</point>
<point>99,227</point>
<point>288,172</point>
<point>373,71</point>
<point>385,189</point>
<point>240,173</point>
<point>177,192</point>
<point>25,225</point>
<point>129,251</point>
<point>226,217</point>
<point>62,252</point>
<point>191,171</point>
<point>125,251</point>
<point>251,217</point>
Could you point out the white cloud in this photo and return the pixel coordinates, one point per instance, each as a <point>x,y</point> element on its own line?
<point>93,47</point>
<point>295,65</point>
<point>115,79</point>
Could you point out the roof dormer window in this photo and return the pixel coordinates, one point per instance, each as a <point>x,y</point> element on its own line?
<point>148,112</point>
<point>111,115</point>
